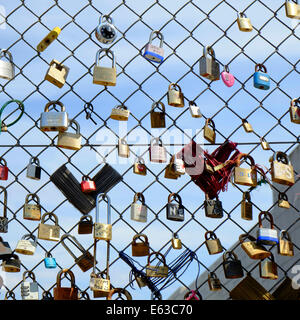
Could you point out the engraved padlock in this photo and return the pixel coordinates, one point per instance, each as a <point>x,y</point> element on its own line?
<point>243,22</point>
<point>283,201</point>
<point>246,207</point>
<point>245,176</point>
<point>49,261</point>
<point>213,244</point>
<point>138,211</point>
<point>139,166</point>
<point>106,32</point>
<point>214,282</point>
<point>295,108</point>
<point>34,169</point>
<point>285,245</point>
<point>103,231</point>
<point>176,242</point>
<point>292,9</point>
<point>261,79</point>
<point>253,249</point>
<point>85,225</point>
<point>104,75</point>
<point>70,140</point>
<point>282,171</point>
<point>29,290</point>
<point>268,269</point>
<point>157,271</point>
<point>152,52</point>
<point>264,144</point>
<point>7,68</point>
<point>57,73</point>
<point>209,132</point>
<point>27,244</point>
<point>266,236</point>
<point>209,67</point>
<point>48,231</point>
<point>141,248</point>
<point>32,211</point>
<point>4,219</point>
<point>213,207</point>
<point>157,152</point>
<point>120,113</point>
<point>175,210</point>
<point>158,118</point>
<point>194,110</point>
<point>123,148</point>
<point>227,77</point>
<point>175,97</point>
<point>53,120</point>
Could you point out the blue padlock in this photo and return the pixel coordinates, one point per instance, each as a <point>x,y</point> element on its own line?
<point>261,78</point>
<point>152,52</point>
<point>50,262</point>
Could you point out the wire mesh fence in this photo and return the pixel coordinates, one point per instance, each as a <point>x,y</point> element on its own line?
<point>187,27</point>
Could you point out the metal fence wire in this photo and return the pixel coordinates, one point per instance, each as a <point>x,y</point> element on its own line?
<point>187,26</point>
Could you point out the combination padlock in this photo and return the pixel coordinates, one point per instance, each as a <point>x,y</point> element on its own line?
<point>152,52</point>
<point>106,32</point>
<point>261,79</point>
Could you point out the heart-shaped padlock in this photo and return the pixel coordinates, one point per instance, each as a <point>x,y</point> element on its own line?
<point>227,77</point>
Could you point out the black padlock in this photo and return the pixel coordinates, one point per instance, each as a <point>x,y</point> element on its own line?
<point>85,225</point>
<point>213,208</point>
<point>232,266</point>
<point>175,211</point>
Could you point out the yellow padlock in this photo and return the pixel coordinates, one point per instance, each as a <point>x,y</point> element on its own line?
<point>51,36</point>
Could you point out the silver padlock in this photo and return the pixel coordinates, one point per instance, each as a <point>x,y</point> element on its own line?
<point>157,152</point>
<point>123,149</point>
<point>33,169</point>
<point>7,68</point>
<point>53,120</point>
<point>179,167</point>
<point>138,211</point>
<point>27,246</point>
<point>106,32</point>
<point>152,52</point>
<point>194,110</point>
<point>29,290</point>
<point>209,67</point>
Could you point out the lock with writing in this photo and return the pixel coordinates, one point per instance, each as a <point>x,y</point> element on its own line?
<point>158,118</point>
<point>48,231</point>
<point>120,113</point>
<point>157,152</point>
<point>175,210</point>
<point>178,164</point>
<point>285,245</point>
<point>283,201</point>
<point>175,95</point>
<point>103,231</point>
<point>244,176</point>
<point>69,140</point>
<point>194,110</point>
<point>139,167</point>
<point>3,169</point>
<point>252,248</point>
<point>282,171</point>
<point>243,22</point>
<point>170,172</point>
<point>157,270</point>
<point>295,108</point>
<point>57,73</point>
<point>247,126</point>
<point>261,79</point>
<point>232,266</point>
<point>264,144</point>
<point>266,236</point>
<point>123,148</point>
<point>32,211</point>
<point>50,37</point>
<point>176,242</point>
<point>85,261</point>
<point>34,169</point>
<point>104,75</point>
<point>54,120</point>
<point>268,268</point>
<point>141,248</point>
<point>138,211</point>
<point>152,52</point>
<point>29,289</point>
<point>227,77</point>
<point>7,68</point>
<point>209,67</point>
<point>87,185</point>
<point>213,207</point>
<point>65,293</point>
<point>209,132</point>
<point>292,9</point>
<point>85,225</point>
<point>120,292</point>
<point>4,219</point>
<point>214,282</point>
<point>192,295</point>
<point>246,206</point>
<point>106,32</point>
<point>49,261</point>
<point>27,244</point>
<point>213,244</point>
<point>11,264</point>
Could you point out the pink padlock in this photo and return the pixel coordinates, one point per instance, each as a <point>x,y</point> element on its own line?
<point>227,77</point>
<point>193,295</point>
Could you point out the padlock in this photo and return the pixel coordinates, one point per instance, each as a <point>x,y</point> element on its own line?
<point>87,185</point>
<point>48,231</point>
<point>11,264</point>
<point>32,211</point>
<point>192,295</point>
<point>85,261</point>
<point>7,68</point>
<point>120,292</point>
<point>264,144</point>
<point>194,110</point>
<point>243,22</point>
<point>292,9</point>
<point>244,176</point>
<point>57,73</point>
<point>140,279</point>
<point>176,242</point>
<point>209,132</point>
<point>4,219</point>
<point>232,268</point>
<point>152,52</point>
<point>85,225</point>
<point>178,165</point>
<point>65,293</point>
<point>246,207</point>
<point>261,79</point>
<point>214,282</point>
<point>27,245</point>
<point>49,261</point>
<point>247,126</point>
<point>227,77</point>
<point>106,32</point>
<point>103,231</point>
<point>170,170</point>
<point>20,107</point>
<point>283,201</point>
<point>140,249</point>
<point>157,152</point>
<point>266,236</point>
<point>53,120</point>
<point>3,169</point>
<point>29,290</point>
<point>175,97</point>
<point>120,113</point>
<point>158,118</point>
<point>5,250</point>
<point>138,211</point>
<point>46,295</point>
<point>104,75</point>
<point>282,171</point>
<point>209,67</point>
<point>51,36</point>
<point>69,140</point>
<point>268,269</point>
<point>213,208</point>
<point>285,246</point>
<point>123,149</point>
<point>139,167</point>
<point>157,271</point>
<point>175,211</point>
<point>253,249</point>
<point>213,244</point>
<point>34,169</point>
<point>295,106</point>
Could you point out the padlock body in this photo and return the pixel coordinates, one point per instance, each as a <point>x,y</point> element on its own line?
<point>48,232</point>
<point>140,168</point>
<point>254,250</point>
<point>26,247</point>
<point>246,210</point>
<point>213,208</point>
<point>5,250</point>
<point>283,204</point>
<point>157,154</point>
<point>29,290</point>
<point>3,225</point>
<point>11,265</point>
<point>3,172</point>
<point>69,140</point>
<point>292,9</point>
<point>88,186</point>
<point>157,119</point>
<point>209,68</point>
<point>85,262</point>
<point>54,121</point>
<point>179,167</point>
<point>282,173</point>
<point>140,249</point>
<point>267,236</point>
<point>33,172</point>
<point>138,212</point>
<point>175,98</point>
<point>285,248</point>
<point>244,24</point>
<point>233,269</point>
<point>295,114</point>
<point>154,53</point>
<point>214,284</point>
<point>245,177</point>
<point>195,112</point>
<point>32,212</point>
<point>227,78</point>
<point>57,76</point>
<point>50,263</point>
<point>261,80</point>
<point>100,287</point>
<point>175,212</point>
<point>209,134</point>
<point>176,243</point>
<point>123,150</point>
<point>62,293</point>
<point>105,76</point>
<point>268,270</point>
<point>170,172</point>
<point>119,114</point>
<point>7,70</point>
<point>102,231</point>
<point>85,227</point>
<point>213,246</point>
<point>157,271</point>
<point>247,126</point>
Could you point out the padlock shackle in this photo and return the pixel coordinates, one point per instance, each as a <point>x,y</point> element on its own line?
<point>76,125</point>
<point>210,122</point>
<point>50,214</point>
<point>282,196</point>
<point>31,275</point>
<point>260,67</point>
<point>138,235</point>
<point>106,17</point>
<point>173,86</point>
<point>284,234</point>
<point>74,241</point>
<point>159,35</point>
<point>119,291</point>
<point>4,201</point>
<point>156,255</point>
<point>156,105</point>
<point>109,53</point>
<point>210,235</point>
<point>47,295</point>
<point>230,254</point>
<point>244,156</point>
<point>212,275</point>
<point>281,157</point>
<point>34,160</point>
<point>241,14</point>
<point>121,106</point>
<point>176,197</point>
<point>54,103</point>
<point>245,236</point>
<point>5,53</point>
<point>4,161</point>
<point>192,103</point>
<point>100,197</point>
<point>139,196</point>
<point>208,50</point>
<point>33,196</point>
<point>48,254</point>
<point>265,214</point>
<point>175,235</point>
<point>139,160</point>
<point>226,68</point>
<point>295,102</point>
<point>86,217</point>
<point>64,271</point>
<point>246,196</point>
<point>30,236</point>
<point>86,178</point>
<point>158,140</point>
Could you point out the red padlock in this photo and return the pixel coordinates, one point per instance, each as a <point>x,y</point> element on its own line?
<point>3,169</point>
<point>87,185</point>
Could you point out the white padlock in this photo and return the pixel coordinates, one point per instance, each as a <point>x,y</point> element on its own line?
<point>139,210</point>
<point>194,110</point>
<point>179,167</point>
<point>7,69</point>
<point>27,246</point>
<point>29,290</point>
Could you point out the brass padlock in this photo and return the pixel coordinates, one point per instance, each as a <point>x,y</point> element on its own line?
<point>157,271</point>
<point>104,75</point>
<point>120,113</point>
<point>176,242</point>
<point>32,211</point>
<point>85,225</point>
<point>283,201</point>
<point>243,22</point>
<point>175,97</point>
<point>295,106</point>
<point>123,149</point>
<point>119,291</point>
<point>140,249</point>
<point>50,37</point>
<point>243,176</point>
<point>268,269</point>
<point>214,282</point>
<point>170,172</point>
<point>282,170</point>
<point>285,246</point>
<point>247,126</point>
<point>57,73</point>
<point>158,119</point>
<point>27,244</point>
<point>47,231</point>
<point>213,208</point>
<point>69,140</point>
<point>11,264</point>
<point>65,293</point>
<point>264,144</point>
<point>292,9</point>
<point>103,231</point>
<point>212,243</point>
<point>139,167</point>
<point>253,249</point>
<point>209,132</point>
<point>246,207</point>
